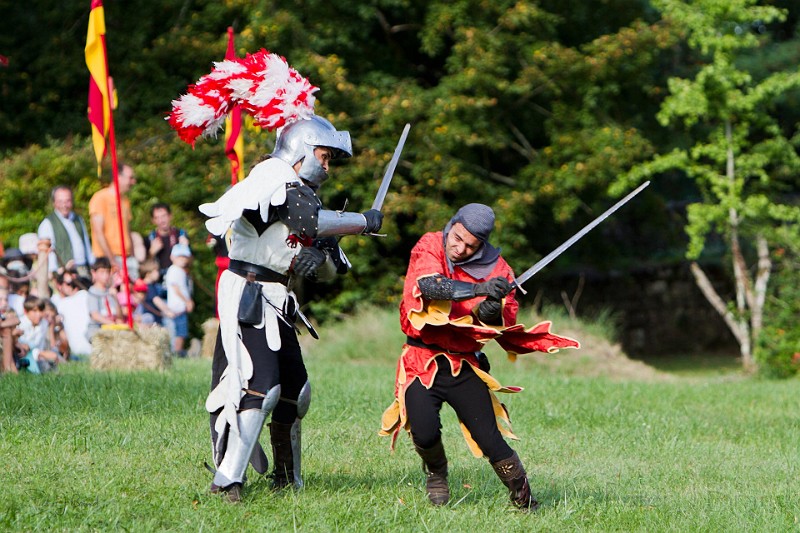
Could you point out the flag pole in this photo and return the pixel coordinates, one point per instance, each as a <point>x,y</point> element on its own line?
<point>112,145</point>
<point>234,151</point>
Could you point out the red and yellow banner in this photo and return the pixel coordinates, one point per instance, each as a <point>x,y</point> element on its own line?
<point>99,110</point>
<point>234,141</point>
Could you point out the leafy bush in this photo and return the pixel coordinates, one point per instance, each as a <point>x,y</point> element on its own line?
<point>166,171</point>
<point>778,347</point>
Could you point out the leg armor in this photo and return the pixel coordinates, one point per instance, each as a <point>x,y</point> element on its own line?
<point>240,446</point>
<point>286,444</point>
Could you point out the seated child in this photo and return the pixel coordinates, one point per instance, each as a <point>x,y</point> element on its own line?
<point>141,317</point>
<point>33,340</point>
<point>154,303</point>
<point>57,335</point>
<point>103,306</point>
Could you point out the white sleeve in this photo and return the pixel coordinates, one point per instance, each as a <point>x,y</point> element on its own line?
<point>45,231</point>
<point>263,188</point>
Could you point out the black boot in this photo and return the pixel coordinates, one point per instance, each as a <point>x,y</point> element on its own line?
<point>434,464</point>
<point>282,456</point>
<point>512,474</point>
<point>233,492</point>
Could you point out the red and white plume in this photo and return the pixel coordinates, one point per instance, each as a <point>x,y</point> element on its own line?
<point>263,84</point>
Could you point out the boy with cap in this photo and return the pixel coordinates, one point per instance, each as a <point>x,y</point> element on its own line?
<point>179,297</point>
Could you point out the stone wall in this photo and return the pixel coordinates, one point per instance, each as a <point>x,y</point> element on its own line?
<point>659,310</point>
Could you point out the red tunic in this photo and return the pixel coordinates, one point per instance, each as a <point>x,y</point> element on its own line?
<point>453,327</point>
<point>427,259</point>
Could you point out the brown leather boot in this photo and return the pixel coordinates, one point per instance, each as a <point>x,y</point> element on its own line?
<point>512,474</point>
<point>233,493</point>
<point>280,436</point>
<point>434,464</point>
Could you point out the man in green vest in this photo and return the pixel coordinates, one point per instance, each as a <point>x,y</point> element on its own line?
<point>70,246</point>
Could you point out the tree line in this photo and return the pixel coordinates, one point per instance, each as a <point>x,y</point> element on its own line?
<point>546,110</point>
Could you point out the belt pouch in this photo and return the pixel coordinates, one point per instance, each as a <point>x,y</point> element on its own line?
<point>251,307</point>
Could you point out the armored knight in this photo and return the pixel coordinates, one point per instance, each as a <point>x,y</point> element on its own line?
<point>278,232</point>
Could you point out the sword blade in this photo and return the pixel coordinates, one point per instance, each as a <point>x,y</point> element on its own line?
<point>546,260</point>
<point>387,176</point>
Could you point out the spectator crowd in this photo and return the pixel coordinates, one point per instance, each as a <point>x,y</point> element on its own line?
<point>64,283</point>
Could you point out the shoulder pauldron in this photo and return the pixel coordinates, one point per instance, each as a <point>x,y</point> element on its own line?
<point>300,211</point>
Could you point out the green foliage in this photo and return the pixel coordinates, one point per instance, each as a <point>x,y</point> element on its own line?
<point>741,158</point>
<point>29,175</point>
<point>150,57</point>
<point>778,347</point>
<point>728,113</point>
<point>533,107</point>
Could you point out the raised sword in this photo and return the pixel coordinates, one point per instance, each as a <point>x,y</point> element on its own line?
<point>387,176</point>
<point>546,260</point>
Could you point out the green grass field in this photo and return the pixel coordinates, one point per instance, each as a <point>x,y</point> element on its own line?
<point>84,450</point>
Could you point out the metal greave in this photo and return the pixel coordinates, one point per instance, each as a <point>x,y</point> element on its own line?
<point>240,446</point>
<point>295,435</point>
<point>287,443</point>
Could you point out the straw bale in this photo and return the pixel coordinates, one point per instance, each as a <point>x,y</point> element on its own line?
<point>210,328</point>
<point>123,349</point>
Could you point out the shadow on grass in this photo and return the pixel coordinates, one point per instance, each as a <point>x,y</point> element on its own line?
<point>409,492</point>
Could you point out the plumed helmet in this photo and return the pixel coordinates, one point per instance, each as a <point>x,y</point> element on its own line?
<point>297,141</point>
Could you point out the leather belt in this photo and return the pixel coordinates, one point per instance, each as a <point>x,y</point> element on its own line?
<point>256,272</point>
<point>411,341</point>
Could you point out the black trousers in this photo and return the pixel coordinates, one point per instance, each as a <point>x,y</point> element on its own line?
<point>269,369</point>
<point>468,396</point>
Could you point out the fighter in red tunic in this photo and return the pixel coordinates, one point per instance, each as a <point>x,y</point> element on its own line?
<point>458,295</point>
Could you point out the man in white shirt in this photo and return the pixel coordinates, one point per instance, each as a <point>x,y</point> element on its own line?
<point>72,304</point>
<point>68,234</point>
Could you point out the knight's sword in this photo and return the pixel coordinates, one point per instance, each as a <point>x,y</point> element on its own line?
<point>546,260</point>
<point>387,176</point>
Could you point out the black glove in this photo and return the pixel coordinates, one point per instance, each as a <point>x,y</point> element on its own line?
<point>483,361</point>
<point>495,288</point>
<point>308,261</point>
<point>374,221</point>
<point>489,311</point>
